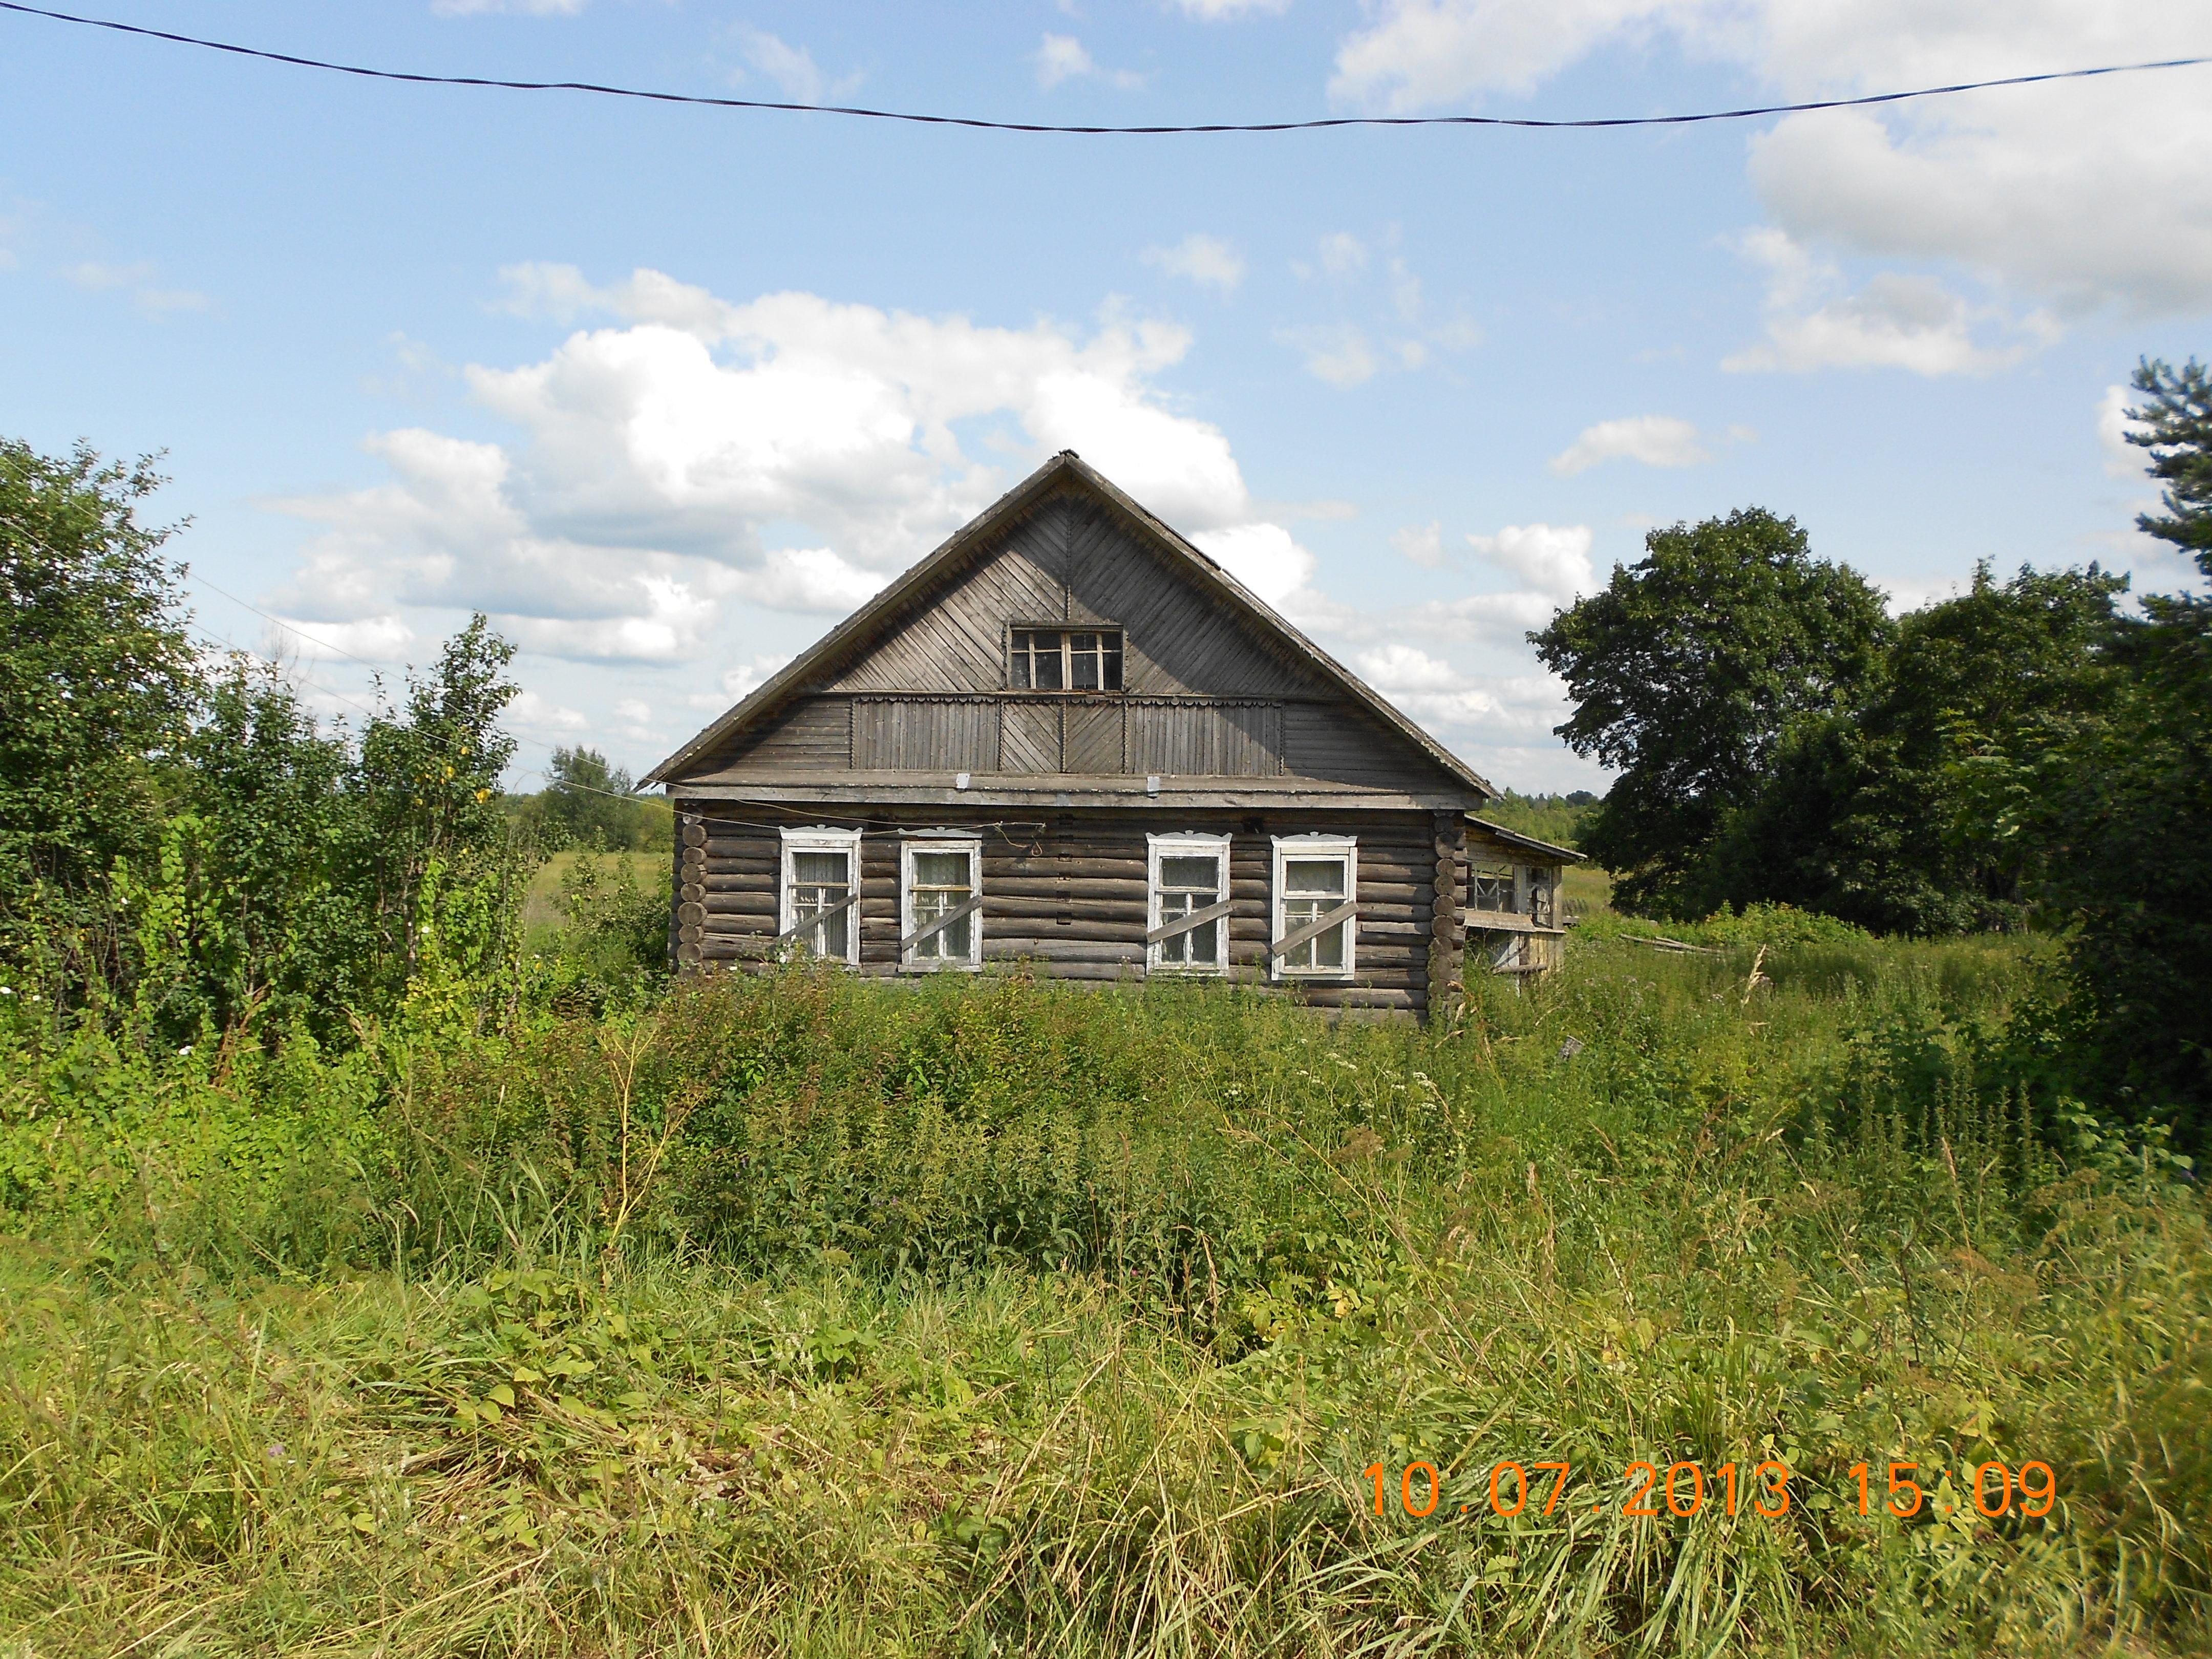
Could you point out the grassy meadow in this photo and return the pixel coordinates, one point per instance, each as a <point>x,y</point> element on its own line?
<point>800,1316</point>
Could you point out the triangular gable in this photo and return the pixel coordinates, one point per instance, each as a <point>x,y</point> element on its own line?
<point>848,644</point>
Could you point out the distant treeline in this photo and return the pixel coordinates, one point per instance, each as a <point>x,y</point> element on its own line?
<point>590,804</point>
<point>2034,753</point>
<point>1559,819</point>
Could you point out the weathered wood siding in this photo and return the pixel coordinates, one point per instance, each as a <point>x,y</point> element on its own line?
<point>957,641</point>
<point>1068,891</point>
<point>813,735</point>
<point>1075,561</point>
<point>926,734</point>
<point>1222,739</point>
<point>1179,640</point>
<point>1205,691</point>
<point>1029,737</point>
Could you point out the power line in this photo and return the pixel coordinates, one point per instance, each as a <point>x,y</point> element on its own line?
<point>294,673</point>
<point>339,649</point>
<point>1042,127</point>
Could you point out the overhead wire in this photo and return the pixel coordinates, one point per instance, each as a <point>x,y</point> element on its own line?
<point>915,117</point>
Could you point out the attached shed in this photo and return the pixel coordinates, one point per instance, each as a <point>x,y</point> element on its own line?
<point>1067,737</point>
<point>1516,910</point>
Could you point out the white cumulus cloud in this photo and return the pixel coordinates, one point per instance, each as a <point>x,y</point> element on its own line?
<point>1420,543</point>
<point>1340,354</point>
<point>1653,439</point>
<point>663,457</point>
<point>1063,58</point>
<point>1554,560</point>
<point>2078,195</point>
<point>1897,321</point>
<point>792,67</point>
<point>1493,708</point>
<point>2122,459</point>
<point>1208,261</point>
<point>1265,558</point>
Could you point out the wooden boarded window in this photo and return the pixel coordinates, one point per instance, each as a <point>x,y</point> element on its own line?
<point>925,734</point>
<point>821,874</point>
<point>1208,739</point>
<point>1189,882</point>
<point>1064,660</point>
<point>940,902</point>
<point>1316,934</point>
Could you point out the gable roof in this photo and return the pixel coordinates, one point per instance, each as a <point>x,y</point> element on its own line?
<point>1065,470</point>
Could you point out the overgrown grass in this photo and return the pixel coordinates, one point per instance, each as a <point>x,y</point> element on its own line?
<point>815,1316</point>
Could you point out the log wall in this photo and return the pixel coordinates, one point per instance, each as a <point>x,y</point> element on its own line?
<point>1067,891</point>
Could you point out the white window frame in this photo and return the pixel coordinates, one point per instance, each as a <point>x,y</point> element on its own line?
<point>821,838</point>
<point>1313,847</point>
<point>940,841</point>
<point>1184,845</point>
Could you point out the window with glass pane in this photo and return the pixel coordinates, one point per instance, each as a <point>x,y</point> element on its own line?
<point>1094,661</point>
<point>942,883</point>
<point>820,882</point>
<point>1038,660</point>
<point>1311,889</point>
<point>1055,660</point>
<point>1189,885</point>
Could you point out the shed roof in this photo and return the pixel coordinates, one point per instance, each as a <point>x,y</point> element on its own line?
<point>1527,843</point>
<point>1064,470</point>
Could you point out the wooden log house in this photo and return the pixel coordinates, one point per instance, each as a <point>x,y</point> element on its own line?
<point>1070,738</point>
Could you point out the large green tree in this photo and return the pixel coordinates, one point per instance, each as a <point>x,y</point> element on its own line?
<point>98,681</point>
<point>1877,813</point>
<point>2123,804</point>
<point>1687,670</point>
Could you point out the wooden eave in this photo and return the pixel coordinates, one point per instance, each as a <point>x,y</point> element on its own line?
<point>1038,790</point>
<point>862,629</point>
<point>1526,843</point>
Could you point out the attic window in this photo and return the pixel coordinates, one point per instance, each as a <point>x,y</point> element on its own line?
<point>1065,659</point>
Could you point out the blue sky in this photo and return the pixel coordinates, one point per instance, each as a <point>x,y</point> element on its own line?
<point>665,391</point>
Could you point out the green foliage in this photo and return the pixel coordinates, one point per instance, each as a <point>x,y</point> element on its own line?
<point>97,685</point>
<point>1559,819</point>
<point>2174,423</point>
<point>1877,813</point>
<point>589,804</point>
<point>991,1316</point>
<point>613,947</point>
<point>1685,673</point>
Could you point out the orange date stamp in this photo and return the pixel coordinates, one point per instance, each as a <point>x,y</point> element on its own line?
<point>1685,1489</point>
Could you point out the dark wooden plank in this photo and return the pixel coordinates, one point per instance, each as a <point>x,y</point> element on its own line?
<point>1059,950</point>
<point>740,904</point>
<point>1081,929</point>
<point>1078,910</point>
<point>1029,737</point>
<point>813,735</point>
<point>1088,888</point>
<point>1094,742</point>
<point>937,734</point>
<point>1343,745</point>
<point>1179,639</point>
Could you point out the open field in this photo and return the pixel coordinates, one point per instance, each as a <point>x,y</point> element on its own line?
<point>541,904</point>
<point>807,1316</point>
